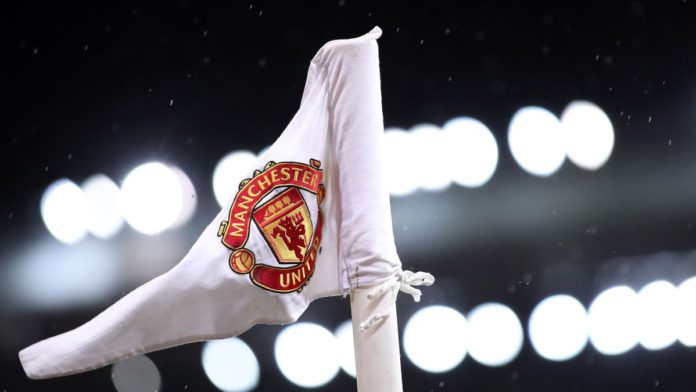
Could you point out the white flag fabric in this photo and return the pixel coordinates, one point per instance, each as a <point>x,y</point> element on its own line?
<point>311,220</point>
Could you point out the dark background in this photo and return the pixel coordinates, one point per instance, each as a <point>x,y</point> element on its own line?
<point>87,89</point>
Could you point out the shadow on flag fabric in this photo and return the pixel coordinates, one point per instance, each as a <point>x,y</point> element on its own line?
<point>311,220</point>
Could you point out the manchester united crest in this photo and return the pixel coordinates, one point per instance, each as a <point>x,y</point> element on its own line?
<point>274,202</point>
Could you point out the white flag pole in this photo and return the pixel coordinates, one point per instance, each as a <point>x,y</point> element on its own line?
<point>377,355</point>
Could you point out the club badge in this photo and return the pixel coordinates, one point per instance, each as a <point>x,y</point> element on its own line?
<point>283,219</point>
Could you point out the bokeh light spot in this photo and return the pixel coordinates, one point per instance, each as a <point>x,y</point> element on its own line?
<point>344,335</point>
<point>658,315</point>
<point>135,375</point>
<point>536,141</point>
<point>65,211</point>
<point>686,300</point>
<point>230,365</point>
<point>589,135</point>
<point>104,203</point>
<point>189,198</point>
<point>229,172</point>
<point>435,338</point>
<point>307,354</point>
<point>470,152</point>
<point>399,165</point>
<point>558,328</point>
<point>495,334</point>
<point>429,146</point>
<point>613,317</point>
<point>152,198</point>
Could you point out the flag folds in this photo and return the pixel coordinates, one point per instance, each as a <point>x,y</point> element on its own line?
<point>312,219</point>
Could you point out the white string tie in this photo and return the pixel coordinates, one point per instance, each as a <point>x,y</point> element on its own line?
<point>402,281</point>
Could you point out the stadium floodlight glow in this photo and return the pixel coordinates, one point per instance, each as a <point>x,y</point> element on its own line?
<point>470,152</point>
<point>495,334</point>
<point>435,338</point>
<point>613,317</point>
<point>136,374</point>
<point>64,211</point>
<point>307,354</point>
<point>152,198</point>
<point>428,143</point>
<point>188,200</point>
<point>536,141</point>
<point>104,203</point>
<point>558,328</point>
<point>399,163</point>
<point>229,172</point>
<point>344,336</point>
<point>50,276</point>
<point>588,133</point>
<point>658,317</point>
<point>687,312</point>
<point>230,365</point>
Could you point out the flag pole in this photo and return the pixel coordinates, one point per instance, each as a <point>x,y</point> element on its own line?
<point>377,355</point>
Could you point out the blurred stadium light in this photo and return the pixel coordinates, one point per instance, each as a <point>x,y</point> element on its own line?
<point>536,141</point>
<point>229,172</point>
<point>307,354</point>
<point>344,336</point>
<point>230,365</point>
<point>428,148</point>
<point>658,315</point>
<point>189,199</point>
<point>136,374</point>
<point>435,338</point>
<point>470,152</point>
<point>558,328</point>
<point>104,204</point>
<point>64,211</point>
<point>495,334</point>
<point>687,312</point>
<point>152,198</point>
<point>589,135</point>
<point>614,320</point>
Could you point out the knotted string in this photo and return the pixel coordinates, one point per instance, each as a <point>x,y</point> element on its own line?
<point>402,281</point>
